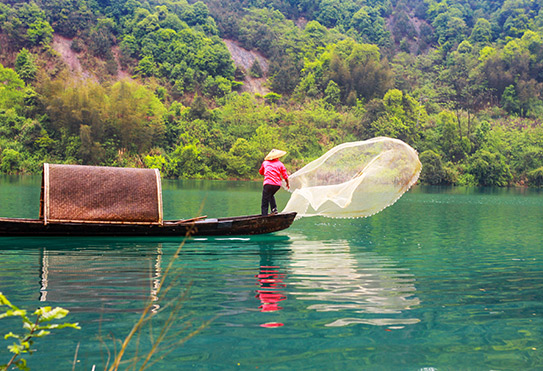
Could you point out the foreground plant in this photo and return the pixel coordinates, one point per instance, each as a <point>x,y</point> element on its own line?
<point>168,337</point>
<point>38,328</point>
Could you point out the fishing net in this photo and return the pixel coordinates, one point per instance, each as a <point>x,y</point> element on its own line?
<point>354,180</point>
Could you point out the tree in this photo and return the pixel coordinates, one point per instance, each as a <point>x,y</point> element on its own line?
<point>256,70</point>
<point>243,159</point>
<point>352,66</point>
<point>496,73</point>
<point>91,152</point>
<point>272,97</point>
<point>482,32</point>
<point>489,168</point>
<point>198,109</point>
<point>200,13</point>
<point>332,94</point>
<point>146,67</point>
<point>137,116</point>
<point>330,13</point>
<point>510,101</point>
<point>10,161</point>
<point>101,38</point>
<point>461,83</point>
<point>450,141</point>
<point>25,66</point>
<point>432,168</point>
<point>315,30</point>
<point>187,162</point>
<point>516,23</point>
<point>11,88</point>
<point>371,25</point>
<point>39,33</point>
<point>536,176</point>
<point>155,162</point>
<point>217,87</point>
<point>285,75</point>
<point>402,113</point>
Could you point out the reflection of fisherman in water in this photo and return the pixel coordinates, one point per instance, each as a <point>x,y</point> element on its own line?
<point>271,282</point>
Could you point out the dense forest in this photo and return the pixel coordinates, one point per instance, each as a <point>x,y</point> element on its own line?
<point>153,84</point>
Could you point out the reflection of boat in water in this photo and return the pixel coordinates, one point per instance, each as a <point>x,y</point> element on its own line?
<point>105,201</point>
<point>105,280</point>
<point>334,280</point>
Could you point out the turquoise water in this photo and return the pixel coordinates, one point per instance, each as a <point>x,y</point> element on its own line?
<point>445,279</point>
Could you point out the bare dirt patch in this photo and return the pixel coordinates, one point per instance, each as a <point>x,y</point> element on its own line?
<point>245,58</point>
<point>73,60</point>
<point>63,46</point>
<point>121,74</point>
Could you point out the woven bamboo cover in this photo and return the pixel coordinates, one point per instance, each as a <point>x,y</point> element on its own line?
<point>100,194</point>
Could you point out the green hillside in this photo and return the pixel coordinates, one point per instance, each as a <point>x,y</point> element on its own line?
<point>205,89</point>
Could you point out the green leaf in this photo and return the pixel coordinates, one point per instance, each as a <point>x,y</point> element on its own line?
<point>15,312</point>
<point>15,348</point>
<point>59,326</point>
<point>26,346</point>
<point>21,365</point>
<point>4,300</point>
<point>48,314</point>
<point>49,326</point>
<point>71,325</point>
<point>42,333</point>
<point>42,310</point>
<point>11,335</point>
<point>27,325</point>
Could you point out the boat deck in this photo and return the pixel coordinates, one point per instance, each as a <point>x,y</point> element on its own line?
<point>241,225</point>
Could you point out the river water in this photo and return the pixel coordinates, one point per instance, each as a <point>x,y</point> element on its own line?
<point>445,279</point>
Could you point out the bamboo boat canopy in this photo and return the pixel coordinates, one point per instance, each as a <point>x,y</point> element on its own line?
<point>98,194</point>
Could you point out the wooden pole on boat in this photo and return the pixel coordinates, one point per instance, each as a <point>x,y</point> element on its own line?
<point>191,219</point>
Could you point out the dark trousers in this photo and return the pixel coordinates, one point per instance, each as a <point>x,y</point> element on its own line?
<point>268,198</point>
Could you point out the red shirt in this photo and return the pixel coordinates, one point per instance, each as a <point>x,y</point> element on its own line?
<point>273,171</point>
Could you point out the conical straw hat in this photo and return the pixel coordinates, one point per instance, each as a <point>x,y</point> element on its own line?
<point>274,153</point>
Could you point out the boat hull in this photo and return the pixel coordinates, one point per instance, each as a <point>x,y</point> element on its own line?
<point>242,225</point>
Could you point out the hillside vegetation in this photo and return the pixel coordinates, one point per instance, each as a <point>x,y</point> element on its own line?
<point>154,84</point>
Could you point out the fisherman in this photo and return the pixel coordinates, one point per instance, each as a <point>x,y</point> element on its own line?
<point>273,170</point>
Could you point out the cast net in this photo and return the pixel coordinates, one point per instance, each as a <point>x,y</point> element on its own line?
<point>353,180</point>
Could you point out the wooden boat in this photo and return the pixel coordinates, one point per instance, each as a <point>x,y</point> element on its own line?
<point>241,225</point>
<point>105,201</point>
